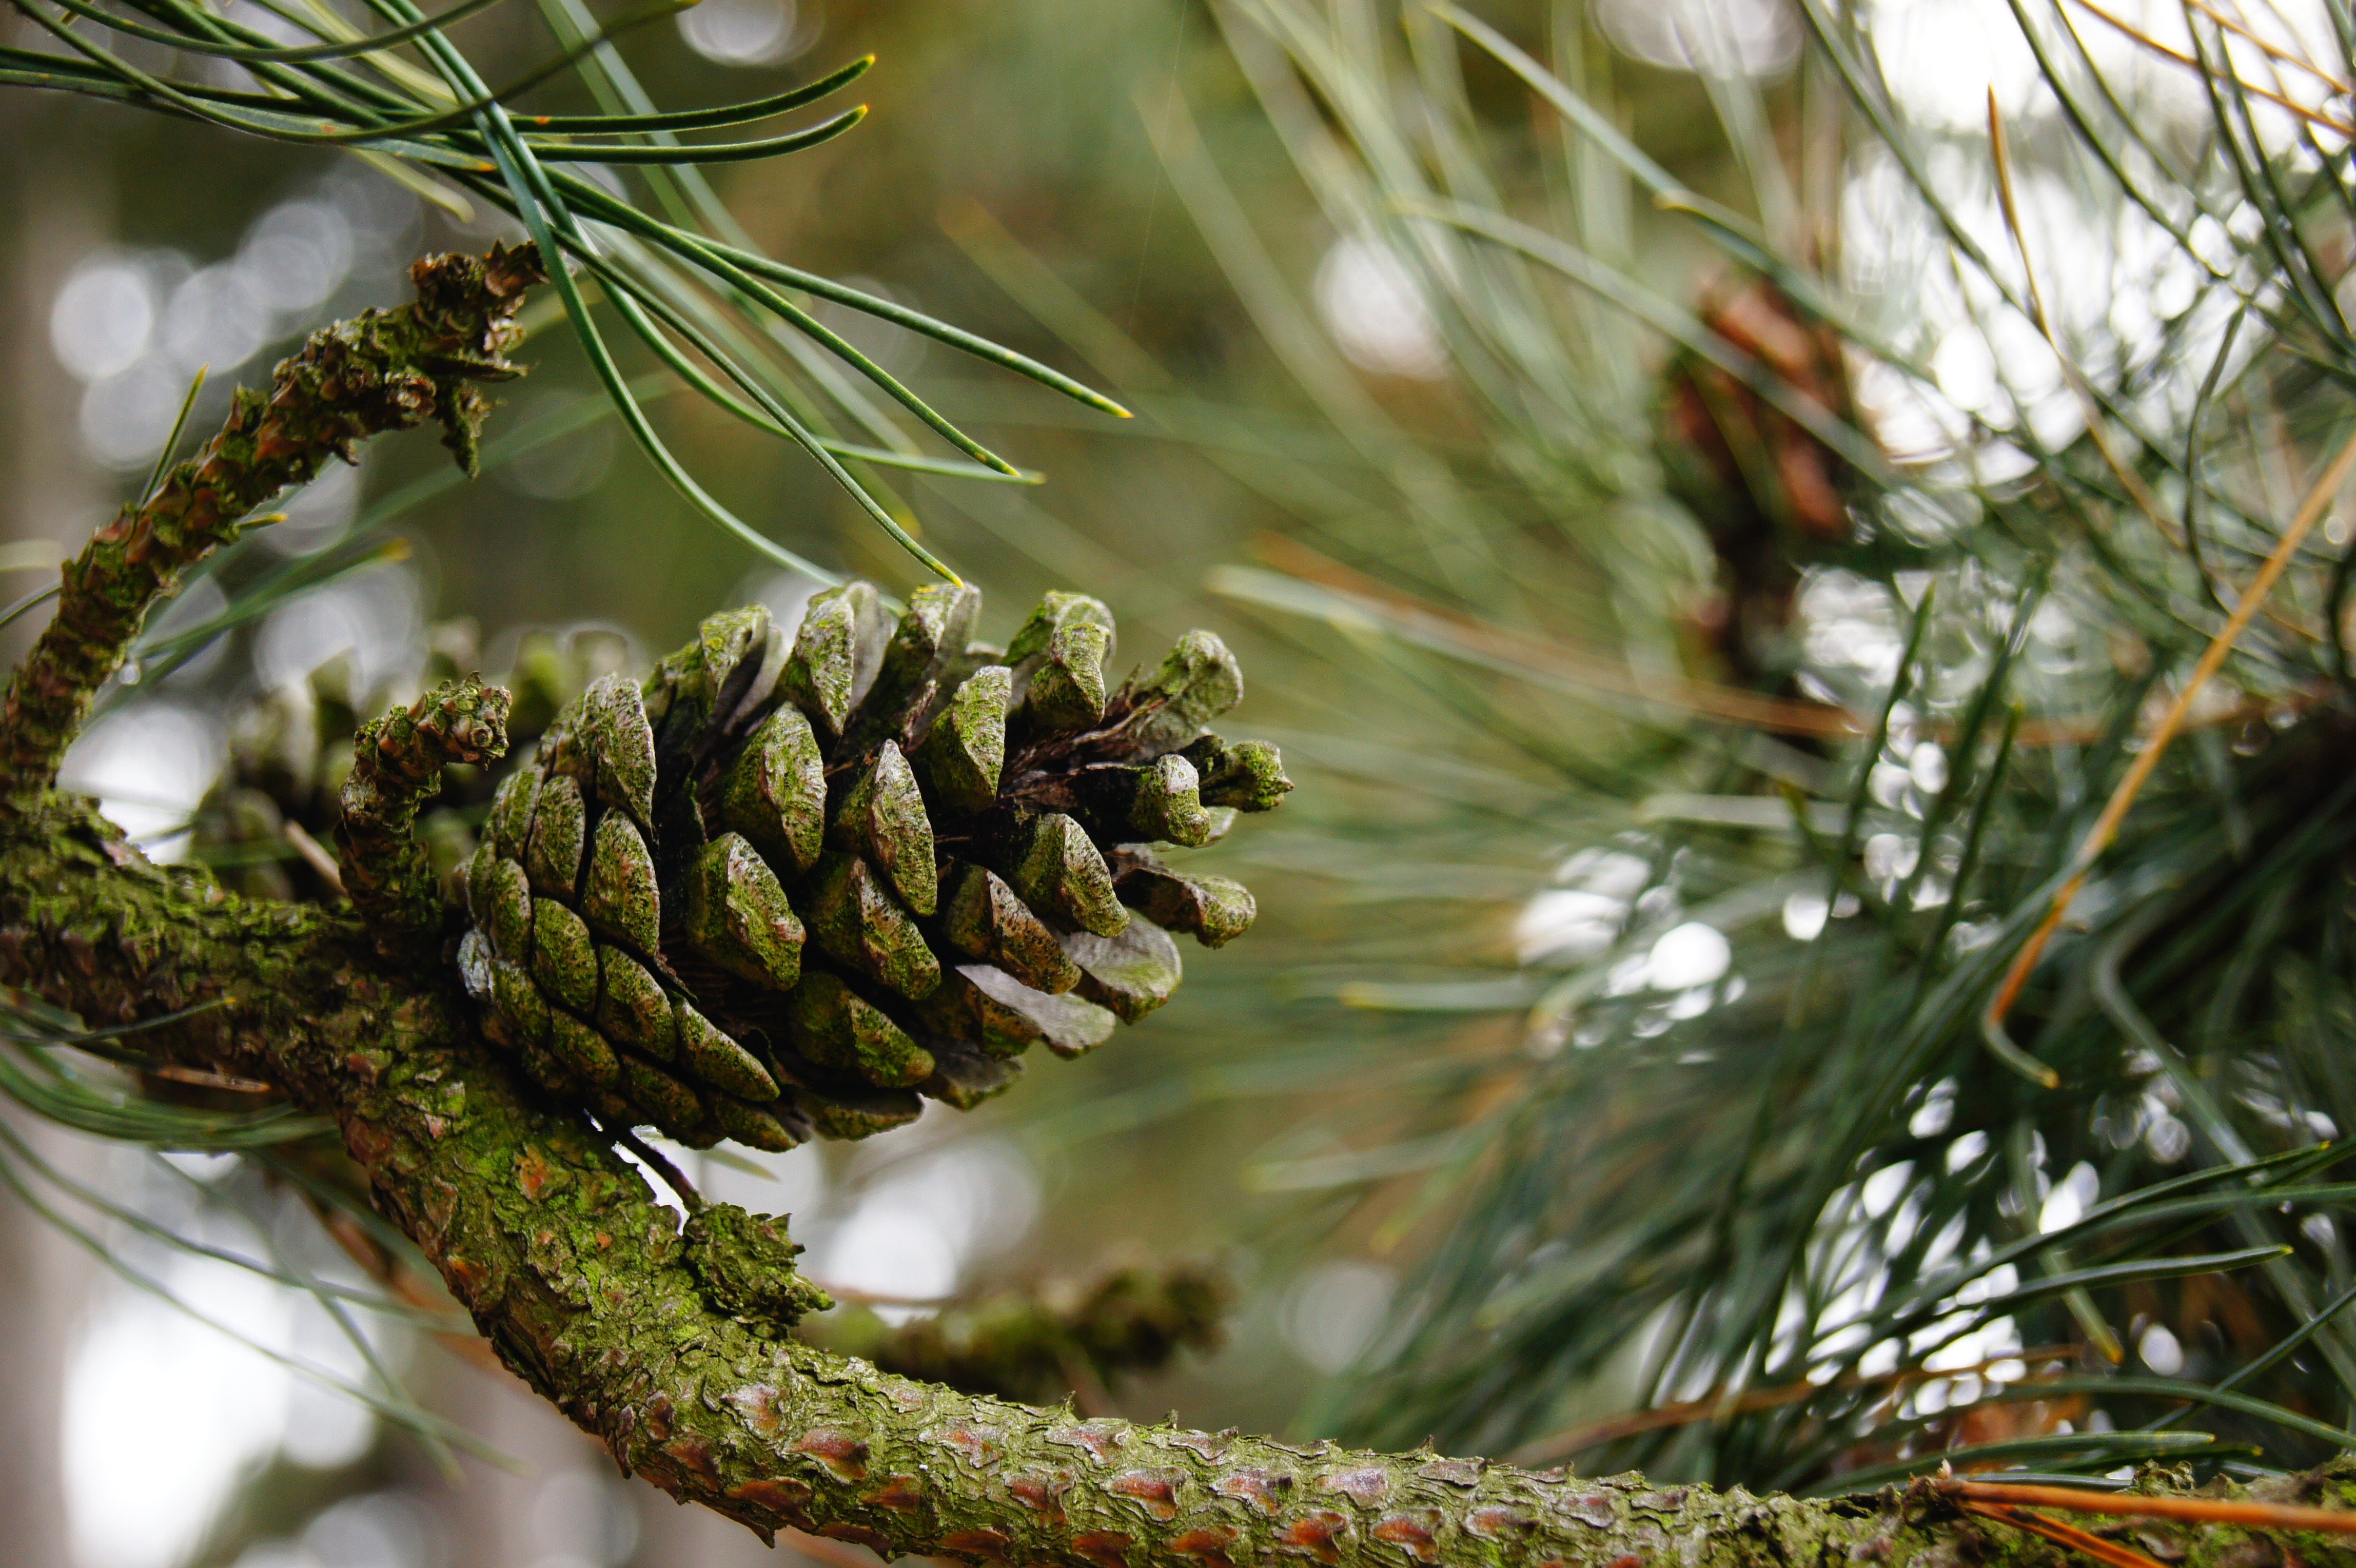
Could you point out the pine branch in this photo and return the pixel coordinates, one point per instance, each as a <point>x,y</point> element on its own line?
<point>382,371</point>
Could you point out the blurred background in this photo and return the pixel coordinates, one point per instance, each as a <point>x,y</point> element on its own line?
<point>1488,522</point>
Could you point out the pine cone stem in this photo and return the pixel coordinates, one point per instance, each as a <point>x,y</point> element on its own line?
<point>382,371</point>
<point>396,768</point>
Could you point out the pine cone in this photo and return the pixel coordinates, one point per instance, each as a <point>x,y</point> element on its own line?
<point>791,882</point>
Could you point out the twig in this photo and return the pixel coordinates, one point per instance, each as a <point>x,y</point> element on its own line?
<point>2199,1510</point>
<point>655,1161</point>
<point>2186,61</point>
<point>314,854</point>
<point>2106,826</point>
<point>2061,1534</point>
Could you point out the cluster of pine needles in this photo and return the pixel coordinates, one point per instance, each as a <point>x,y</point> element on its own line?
<point>1868,986</point>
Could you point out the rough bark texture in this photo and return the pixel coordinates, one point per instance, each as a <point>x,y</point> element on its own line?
<point>674,1350</point>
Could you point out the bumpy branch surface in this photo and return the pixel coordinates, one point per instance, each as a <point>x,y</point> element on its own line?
<point>382,371</point>
<point>587,1290</point>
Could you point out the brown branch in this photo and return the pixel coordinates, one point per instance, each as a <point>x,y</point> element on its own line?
<point>2203,1511</point>
<point>2071,1536</point>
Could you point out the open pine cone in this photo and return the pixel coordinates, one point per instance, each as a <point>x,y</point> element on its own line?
<point>791,882</point>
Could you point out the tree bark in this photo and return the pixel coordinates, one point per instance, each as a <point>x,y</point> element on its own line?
<point>654,1342</point>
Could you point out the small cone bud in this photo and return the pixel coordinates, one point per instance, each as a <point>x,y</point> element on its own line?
<point>564,960</point>
<point>736,915</point>
<point>775,792</point>
<point>962,757</point>
<point>632,1008</point>
<point>836,1028</point>
<point>559,827</point>
<point>855,922</point>
<point>716,1059</point>
<point>622,901</point>
<point>614,724</point>
<point>1248,775</point>
<point>985,918</point>
<point>1196,685</point>
<point>883,818</point>
<point>1058,871</point>
<point>1132,974</point>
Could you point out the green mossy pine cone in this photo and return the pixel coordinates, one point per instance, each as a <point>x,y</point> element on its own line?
<point>795,881</point>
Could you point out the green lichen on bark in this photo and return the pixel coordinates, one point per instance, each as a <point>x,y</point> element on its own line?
<point>586,1288</point>
<point>381,370</point>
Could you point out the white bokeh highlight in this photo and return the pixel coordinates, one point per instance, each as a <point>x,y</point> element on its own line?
<point>1375,310</point>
